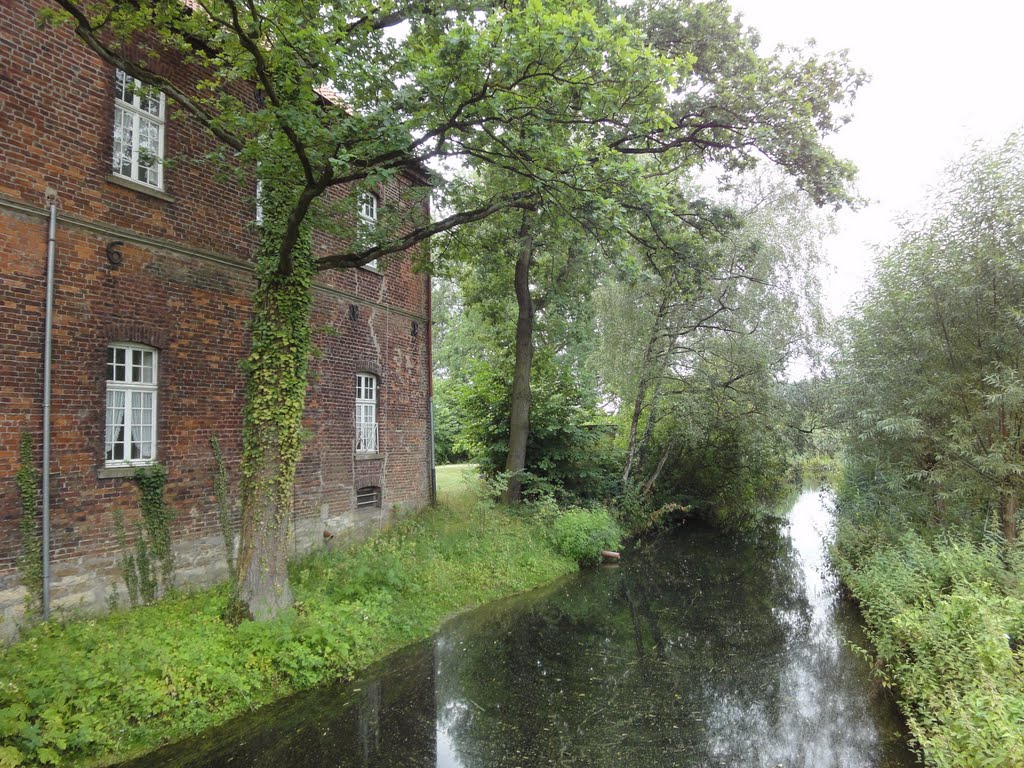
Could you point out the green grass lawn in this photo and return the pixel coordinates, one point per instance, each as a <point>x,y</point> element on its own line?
<point>457,484</point>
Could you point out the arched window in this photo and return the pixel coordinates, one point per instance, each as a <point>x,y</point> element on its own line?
<point>131,406</point>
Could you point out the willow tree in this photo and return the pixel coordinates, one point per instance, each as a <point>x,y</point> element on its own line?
<point>696,356</point>
<point>933,364</point>
<point>316,96</point>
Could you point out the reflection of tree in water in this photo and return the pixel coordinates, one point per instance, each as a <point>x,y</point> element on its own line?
<point>623,666</point>
<point>382,720</point>
<point>821,716</point>
<point>701,650</point>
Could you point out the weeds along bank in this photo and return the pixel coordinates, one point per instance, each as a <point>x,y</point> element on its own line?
<point>945,614</point>
<point>92,691</point>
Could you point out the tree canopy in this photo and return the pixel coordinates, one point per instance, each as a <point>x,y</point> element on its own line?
<point>930,372</point>
<point>560,100</point>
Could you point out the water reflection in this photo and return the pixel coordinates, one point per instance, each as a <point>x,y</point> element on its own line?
<point>701,650</point>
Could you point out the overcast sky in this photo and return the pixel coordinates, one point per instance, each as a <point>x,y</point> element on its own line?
<point>943,75</point>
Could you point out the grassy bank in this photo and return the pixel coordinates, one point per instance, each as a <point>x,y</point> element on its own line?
<point>89,692</point>
<point>943,615</point>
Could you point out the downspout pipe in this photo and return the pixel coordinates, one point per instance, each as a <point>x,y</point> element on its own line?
<point>430,387</point>
<point>51,248</point>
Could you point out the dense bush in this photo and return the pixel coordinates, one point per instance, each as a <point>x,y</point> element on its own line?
<point>942,617</point>
<point>581,534</point>
<point>570,451</point>
<point>725,468</point>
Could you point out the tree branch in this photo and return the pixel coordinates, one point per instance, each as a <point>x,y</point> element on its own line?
<point>522,201</point>
<point>87,33</point>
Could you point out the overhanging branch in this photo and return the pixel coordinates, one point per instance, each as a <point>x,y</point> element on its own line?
<point>522,201</point>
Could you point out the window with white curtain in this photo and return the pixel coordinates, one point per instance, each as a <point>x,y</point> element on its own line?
<point>131,405</point>
<point>366,413</point>
<point>138,131</point>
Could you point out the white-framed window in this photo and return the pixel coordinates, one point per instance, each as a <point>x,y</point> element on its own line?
<point>366,413</point>
<point>131,405</point>
<point>138,131</point>
<point>368,205</point>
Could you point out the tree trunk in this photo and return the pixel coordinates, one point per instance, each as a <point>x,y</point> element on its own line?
<point>275,395</point>
<point>519,419</point>
<point>632,450</point>
<point>640,451</point>
<point>1008,521</point>
<point>649,485</point>
<point>634,425</point>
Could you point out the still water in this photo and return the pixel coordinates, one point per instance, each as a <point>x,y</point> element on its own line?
<point>700,649</point>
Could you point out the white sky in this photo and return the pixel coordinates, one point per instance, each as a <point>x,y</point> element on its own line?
<point>944,75</point>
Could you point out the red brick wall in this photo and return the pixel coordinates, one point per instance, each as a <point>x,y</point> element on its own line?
<point>183,288</point>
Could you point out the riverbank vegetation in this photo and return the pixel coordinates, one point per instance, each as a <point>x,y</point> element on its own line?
<point>658,374</point>
<point>92,690</point>
<point>929,384</point>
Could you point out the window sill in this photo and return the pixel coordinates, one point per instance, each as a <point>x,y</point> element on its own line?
<point>368,456</point>
<point>137,187</point>
<point>108,473</point>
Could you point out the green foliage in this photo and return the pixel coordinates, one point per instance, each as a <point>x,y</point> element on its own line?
<point>30,561</point>
<point>129,567</point>
<point>726,459</point>
<point>816,469</point>
<point>220,493</point>
<point>930,370</point>
<point>148,571</point>
<point>581,534</point>
<point>570,445</point>
<point>928,378</point>
<point>447,428</point>
<point>939,615</point>
<point>156,525</point>
<point>694,344</point>
<point>133,680</point>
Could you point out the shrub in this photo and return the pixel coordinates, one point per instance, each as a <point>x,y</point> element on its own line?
<point>940,615</point>
<point>581,534</point>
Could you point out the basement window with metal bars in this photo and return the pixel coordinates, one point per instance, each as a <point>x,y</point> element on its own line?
<point>368,497</point>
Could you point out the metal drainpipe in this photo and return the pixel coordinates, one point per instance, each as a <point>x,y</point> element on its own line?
<point>51,243</point>
<point>430,387</point>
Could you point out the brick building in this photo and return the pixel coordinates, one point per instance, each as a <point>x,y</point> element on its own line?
<point>152,281</point>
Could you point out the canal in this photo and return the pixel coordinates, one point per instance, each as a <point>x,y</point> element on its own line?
<point>700,649</point>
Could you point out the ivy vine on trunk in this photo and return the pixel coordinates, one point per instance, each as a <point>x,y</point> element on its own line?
<point>275,394</point>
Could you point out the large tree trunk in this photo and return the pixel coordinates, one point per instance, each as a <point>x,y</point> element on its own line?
<point>275,394</point>
<point>519,419</point>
